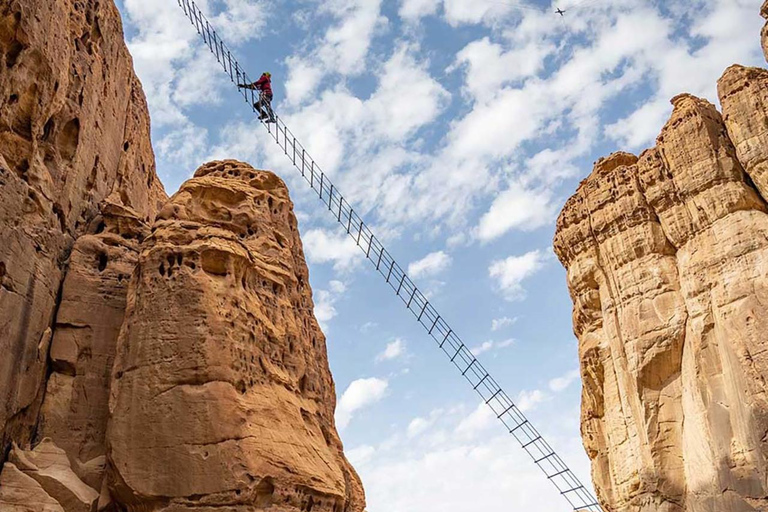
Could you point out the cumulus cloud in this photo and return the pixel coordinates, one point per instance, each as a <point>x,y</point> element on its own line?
<point>430,265</point>
<point>394,350</point>
<point>406,472</point>
<point>326,246</point>
<point>414,10</point>
<point>359,394</point>
<point>564,381</point>
<point>510,273</point>
<point>325,300</point>
<point>517,208</point>
<point>529,400</point>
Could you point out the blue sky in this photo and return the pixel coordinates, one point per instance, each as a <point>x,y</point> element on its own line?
<point>457,128</point>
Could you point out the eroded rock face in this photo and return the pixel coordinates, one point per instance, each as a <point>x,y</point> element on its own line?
<point>76,405</point>
<point>222,396</point>
<point>42,479</point>
<point>74,129</point>
<point>667,258</point>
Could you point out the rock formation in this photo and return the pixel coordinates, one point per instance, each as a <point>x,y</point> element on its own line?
<point>764,33</point>
<point>171,369</point>
<point>667,258</point>
<point>74,129</point>
<point>222,396</point>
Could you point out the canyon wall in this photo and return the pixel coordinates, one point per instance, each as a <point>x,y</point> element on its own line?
<point>150,362</point>
<point>667,260</point>
<point>74,131</point>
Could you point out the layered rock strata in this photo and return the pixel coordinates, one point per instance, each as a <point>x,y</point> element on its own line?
<point>74,129</point>
<point>221,392</point>
<point>667,258</point>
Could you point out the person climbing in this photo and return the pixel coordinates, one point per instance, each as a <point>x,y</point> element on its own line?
<point>264,104</point>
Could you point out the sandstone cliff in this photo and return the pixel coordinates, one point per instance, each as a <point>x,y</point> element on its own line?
<point>222,396</point>
<point>667,259</point>
<point>202,384</point>
<point>74,130</point>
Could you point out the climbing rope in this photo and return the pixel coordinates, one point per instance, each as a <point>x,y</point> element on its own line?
<point>554,468</point>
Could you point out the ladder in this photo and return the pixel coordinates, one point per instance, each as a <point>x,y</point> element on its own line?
<point>543,455</point>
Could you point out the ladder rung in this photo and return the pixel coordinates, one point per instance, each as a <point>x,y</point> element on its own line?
<point>402,279</point>
<point>572,490</point>
<point>468,367</point>
<point>481,381</point>
<point>433,325</point>
<point>536,461</point>
<point>391,266</point>
<point>518,426</point>
<point>418,319</point>
<point>446,337</point>
<point>413,294</point>
<point>457,352</point>
<point>529,443</point>
<point>493,396</point>
<point>550,477</point>
<point>506,410</point>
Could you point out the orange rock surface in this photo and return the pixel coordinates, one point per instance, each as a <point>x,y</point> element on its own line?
<point>74,129</point>
<point>667,259</point>
<point>222,396</point>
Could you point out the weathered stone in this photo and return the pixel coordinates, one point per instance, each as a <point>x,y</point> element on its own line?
<point>667,258</point>
<point>21,493</point>
<point>74,129</point>
<point>744,96</point>
<point>76,406</point>
<point>222,396</point>
<point>49,466</point>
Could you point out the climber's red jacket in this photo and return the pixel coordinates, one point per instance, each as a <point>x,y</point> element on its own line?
<point>264,84</point>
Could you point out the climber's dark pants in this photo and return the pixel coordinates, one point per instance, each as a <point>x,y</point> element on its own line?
<point>264,106</point>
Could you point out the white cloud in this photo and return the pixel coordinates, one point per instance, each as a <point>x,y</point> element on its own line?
<point>563,382</point>
<point>303,78</point>
<point>529,400</point>
<point>418,426</point>
<point>346,43</point>
<point>430,265</point>
<point>414,10</point>
<point>326,246</point>
<point>480,420</point>
<point>500,323</point>
<point>511,272</point>
<point>407,473</point>
<point>517,208</point>
<point>360,393</point>
<point>491,345</point>
<point>324,303</point>
<point>360,455</point>
<point>394,349</point>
